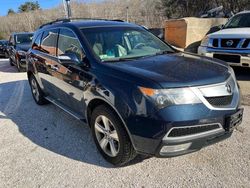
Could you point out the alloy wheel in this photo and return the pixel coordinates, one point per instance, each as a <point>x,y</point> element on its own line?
<point>107,136</point>
<point>35,90</point>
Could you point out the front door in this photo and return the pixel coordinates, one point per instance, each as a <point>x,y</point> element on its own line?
<point>71,79</point>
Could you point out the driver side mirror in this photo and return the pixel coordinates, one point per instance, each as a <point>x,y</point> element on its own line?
<point>72,58</point>
<point>221,26</point>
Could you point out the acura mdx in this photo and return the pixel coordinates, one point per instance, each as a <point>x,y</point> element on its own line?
<point>137,93</point>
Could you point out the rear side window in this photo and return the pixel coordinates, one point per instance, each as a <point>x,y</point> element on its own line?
<point>69,43</point>
<point>49,41</point>
<point>37,41</point>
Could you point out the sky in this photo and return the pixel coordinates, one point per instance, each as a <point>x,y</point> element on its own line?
<point>5,5</point>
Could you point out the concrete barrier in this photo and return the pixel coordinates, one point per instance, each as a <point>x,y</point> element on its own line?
<point>188,32</point>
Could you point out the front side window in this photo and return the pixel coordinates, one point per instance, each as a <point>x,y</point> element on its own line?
<point>49,41</point>
<point>37,41</point>
<point>69,44</point>
<point>239,21</point>
<point>24,38</point>
<point>117,43</point>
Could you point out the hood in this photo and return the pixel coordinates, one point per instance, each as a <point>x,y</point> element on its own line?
<point>176,70</point>
<point>232,33</point>
<point>24,47</point>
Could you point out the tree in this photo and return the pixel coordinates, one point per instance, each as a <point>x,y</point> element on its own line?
<point>11,11</point>
<point>185,8</point>
<point>29,6</point>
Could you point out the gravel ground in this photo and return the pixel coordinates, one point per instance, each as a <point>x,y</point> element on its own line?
<point>45,147</point>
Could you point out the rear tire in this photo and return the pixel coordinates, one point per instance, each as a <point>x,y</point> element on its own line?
<point>113,142</point>
<point>37,92</point>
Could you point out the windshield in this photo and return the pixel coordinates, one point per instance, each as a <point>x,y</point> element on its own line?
<point>24,38</point>
<point>118,43</point>
<point>238,21</point>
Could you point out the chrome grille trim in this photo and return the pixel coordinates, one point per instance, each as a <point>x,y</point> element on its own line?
<point>193,136</point>
<point>212,92</point>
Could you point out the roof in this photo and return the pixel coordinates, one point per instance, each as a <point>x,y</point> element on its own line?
<point>22,33</point>
<point>244,12</point>
<point>86,23</point>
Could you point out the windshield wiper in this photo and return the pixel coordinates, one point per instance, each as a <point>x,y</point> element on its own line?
<point>164,52</point>
<point>123,59</point>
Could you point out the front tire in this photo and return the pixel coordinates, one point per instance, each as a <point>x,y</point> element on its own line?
<point>110,136</point>
<point>6,55</point>
<point>19,68</point>
<point>11,62</point>
<point>37,92</point>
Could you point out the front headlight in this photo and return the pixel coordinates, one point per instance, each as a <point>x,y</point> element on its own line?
<point>21,53</point>
<point>205,41</point>
<point>168,97</point>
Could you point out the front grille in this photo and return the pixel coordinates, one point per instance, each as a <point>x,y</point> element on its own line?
<point>228,58</point>
<point>222,101</point>
<point>186,131</point>
<point>216,43</point>
<point>246,43</point>
<point>229,43</point>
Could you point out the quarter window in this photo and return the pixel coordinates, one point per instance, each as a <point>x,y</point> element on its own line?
<point>49,42</point>
<point>68,43</point>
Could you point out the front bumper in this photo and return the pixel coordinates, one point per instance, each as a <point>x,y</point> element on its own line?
<point>149,133</point>
<point>244,55</point>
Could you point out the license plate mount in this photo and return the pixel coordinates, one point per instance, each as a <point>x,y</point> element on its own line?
<point>234,120</point>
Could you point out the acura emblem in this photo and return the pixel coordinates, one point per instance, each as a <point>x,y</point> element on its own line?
<point>229,89</point>
<point>230,43</point>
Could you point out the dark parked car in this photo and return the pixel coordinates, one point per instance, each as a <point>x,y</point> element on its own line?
<point>19,44</point>
<point>137,93</point>
<point>3,48</point>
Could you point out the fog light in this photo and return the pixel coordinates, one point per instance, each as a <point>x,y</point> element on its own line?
<point>175,148</point>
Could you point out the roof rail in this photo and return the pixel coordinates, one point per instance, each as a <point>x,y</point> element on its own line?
<point>56,21</point>
<point>64,20</point>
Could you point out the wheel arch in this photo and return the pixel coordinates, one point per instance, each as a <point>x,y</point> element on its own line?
<point>99,101</point>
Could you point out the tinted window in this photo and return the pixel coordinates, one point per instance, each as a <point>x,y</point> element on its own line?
<point>68,43</point>
<point>49,41</point>
<point>24,38</point>
<point>36,43</point>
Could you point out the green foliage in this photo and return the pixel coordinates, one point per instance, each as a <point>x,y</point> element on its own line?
<point>29,6</point>
<point>11,11</point>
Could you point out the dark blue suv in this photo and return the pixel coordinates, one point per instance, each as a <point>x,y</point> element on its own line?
<point>137,93</point>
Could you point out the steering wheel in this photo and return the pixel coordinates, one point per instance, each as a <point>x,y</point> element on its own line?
<point>139,45</point>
